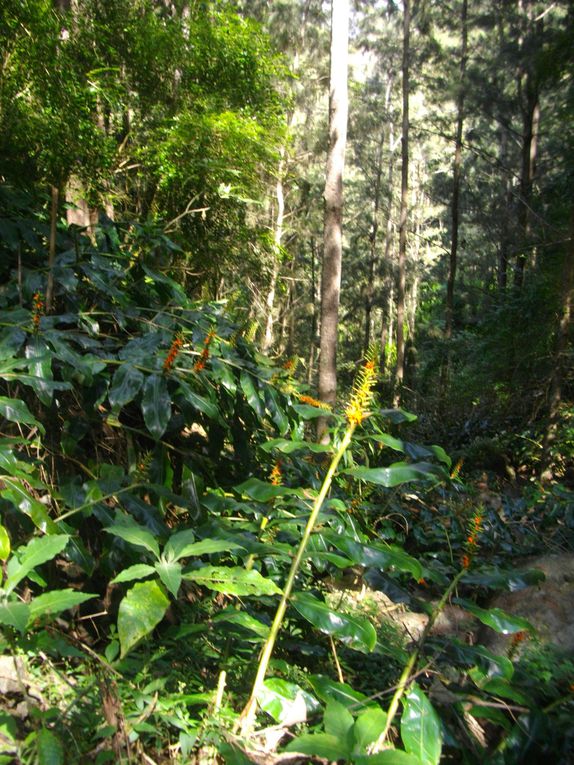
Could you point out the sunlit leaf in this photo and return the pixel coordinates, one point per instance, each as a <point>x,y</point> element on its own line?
<point>338,721</point>
<point>319,745</point>
<point>368,727</point>
<point>421,731</point>
<point>55,601</point>
<point>286,702</point>
<point>139,571</point>
<point>287,447</point>
<point>251,394</point>
<point>170,574</point>
<point>398,473</point>
<point>496,618</point>
<point>140,611</point>
<point>17,411</point>
<point>233,580</point>
<point>15,614</point>
<point>355,631</point>
<point>50,749</point>
<point>135,535</point>
<point>177,548</point>
<point>4,544</point>
<point>327,689</point>
<point>37,551</point>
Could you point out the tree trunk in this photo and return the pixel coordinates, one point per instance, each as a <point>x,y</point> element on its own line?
<point>332,233</point>
<point>560,356</point>
<point>403,219</point>
<point>373,243</point>
<point>455,200</point>
<point>55,198</point>
<point>277,239</point>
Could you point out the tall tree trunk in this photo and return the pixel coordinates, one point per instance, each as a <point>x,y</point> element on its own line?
<point>560,356</point>
<point>373,244</point>
<point>277,239</point>
<point>403,219</point>
<point>455,200</point>
<point>332,236</point>
<point>54,201</point>
<point>529,99</point>
<point>313,343</point>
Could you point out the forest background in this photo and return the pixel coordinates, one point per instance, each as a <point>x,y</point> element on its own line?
<point>162,227</point>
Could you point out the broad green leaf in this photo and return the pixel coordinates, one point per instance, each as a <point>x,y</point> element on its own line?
<point>287,447</point>
<point>15,614</point>
<point>377,556</point>
<point>135,535</point>
<point>178,542</point>
<point>397,415</point>
<point>156,405</point>
<point>21,498</point>
<point>421,731</point>
<point>17,411</point>
<point>40,369</point>
<point>307,412</point>
<point>338,722</point>
<point>355,631</point>
<point>261,491</point>
<point>37,551</point>
<point>243,619</point>
<point>397,473</point>
<point>233,580</point>
<point>388,757</point>
<point>286,702</point>
<point>319,745</point>
<point>414,451</point>
<point>498,686</point>
<point>496,618</point>
<point>126,384</point>
<point>4,544</point>
<point>170,574</point>
<point>140,611</point>
<point>139,571</point>
<point>202,404</point>
<point>251,394</point>
<point>177,548</point>
<point>274,407</point>
<point>504,580</point>
<point>327,689</point>
<point>368,727</point>
<point>55,601</point>
<point>50,749</point>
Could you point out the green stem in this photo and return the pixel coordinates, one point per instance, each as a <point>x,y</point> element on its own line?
<point>248,715</point>
<point>410,665</point>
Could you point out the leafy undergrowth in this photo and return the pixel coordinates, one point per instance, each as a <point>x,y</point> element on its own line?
<point>157,475</point>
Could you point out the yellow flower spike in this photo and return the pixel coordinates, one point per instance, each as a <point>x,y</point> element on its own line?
<point>362,395</point>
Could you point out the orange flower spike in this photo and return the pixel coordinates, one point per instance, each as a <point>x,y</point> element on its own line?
<point>303,399</point>
<point>466,561</point>
<point>276,475</point>
<point>172,354</point>
<point>37,310</point>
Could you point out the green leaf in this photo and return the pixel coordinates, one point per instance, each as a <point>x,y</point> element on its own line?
<point>397,473</point>
<point>504,580</point>
<point>139,571</point>
<point>496,618</point>
<point>355,631</point>
<point>21,498</point>
<point>243,619</point>
<point>177,548</point>
<point>200,403</point>
<point>498,686</point>
<point>368,727</point>
<point>327,689</point>
<point>55,601</point>
<point>140,611</point>
<point>414,451</point>
<point>287,447</point>
<point>15,615</point>
<point>126,384</point>
<point>233,580</point>
<point>17,411</point>
<point>4,544</point>
<point>37,551</point>
<point>420,727</point>
<point>388,757</point>
<point>40,369</point>
<point>397,415</point>
<point>285,702</point>
<point>50,748</point>
<point>318,745</point>
<point>307,412</point>
<point>261,491</point>
<point>338,722</point>
<point>170,574</point>
<point>251,394</point>
<point>135,535</point>
<point>377,556</point>
<point>156,405</point>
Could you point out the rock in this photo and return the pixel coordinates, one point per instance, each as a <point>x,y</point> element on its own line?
<point>12,675</point>
<point>548,606</point>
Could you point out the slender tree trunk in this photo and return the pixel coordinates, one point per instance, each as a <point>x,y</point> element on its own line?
<point>313,343</point>
<point>560,356</point>
<point>333,243</point>
<point>502,272</point>
<point>455,201</point>
<point>403,218</point>
<point>529,96</point>
<point>277,239</point>
<point>55,198</point>
<point>373,244</point>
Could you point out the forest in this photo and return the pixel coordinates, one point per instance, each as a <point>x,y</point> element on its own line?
<point>286,382</point>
